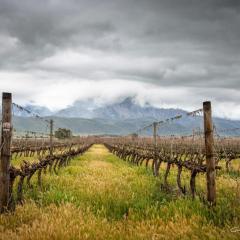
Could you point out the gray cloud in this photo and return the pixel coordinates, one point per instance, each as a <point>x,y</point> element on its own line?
<point>168,43</point>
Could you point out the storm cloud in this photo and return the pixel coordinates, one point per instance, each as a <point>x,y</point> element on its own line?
<point>170,53</point>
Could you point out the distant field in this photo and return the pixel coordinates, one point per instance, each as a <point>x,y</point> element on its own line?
<point>99,196</point>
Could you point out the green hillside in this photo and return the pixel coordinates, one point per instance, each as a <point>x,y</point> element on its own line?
<point>118,127</point>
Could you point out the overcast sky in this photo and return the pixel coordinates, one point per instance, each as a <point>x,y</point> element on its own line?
<point>170,53</point>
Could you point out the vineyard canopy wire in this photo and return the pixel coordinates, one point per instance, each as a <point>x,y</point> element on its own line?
<point>36,116</point>
<point>161,123</point>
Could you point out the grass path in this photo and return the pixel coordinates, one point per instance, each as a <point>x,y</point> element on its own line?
<point>99,196</point>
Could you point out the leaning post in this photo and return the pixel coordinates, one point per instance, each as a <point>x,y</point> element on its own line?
<point>210,160</point>
<point>6,139</point>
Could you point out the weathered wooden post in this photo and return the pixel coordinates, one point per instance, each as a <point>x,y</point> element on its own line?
<point>210,160</point>
<point>193,135</point>
<point>155,168</point>
<point>51,137</point>
<point>5,151</point>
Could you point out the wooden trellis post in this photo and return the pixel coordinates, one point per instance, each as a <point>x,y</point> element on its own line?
<point>5,151</point>
<point>210,160</point>
<point>155,168</point>
<point>51,137</point>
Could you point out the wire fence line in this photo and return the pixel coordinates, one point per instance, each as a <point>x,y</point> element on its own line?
<point>160,123</point>
<point>36,116</point>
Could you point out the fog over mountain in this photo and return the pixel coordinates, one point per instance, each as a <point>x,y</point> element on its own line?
<point>126,109</point>
<point>120,118</point>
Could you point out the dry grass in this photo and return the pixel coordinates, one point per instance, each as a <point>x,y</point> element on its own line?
<point>69,222</point>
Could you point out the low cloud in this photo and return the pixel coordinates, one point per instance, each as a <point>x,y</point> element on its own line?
<point>169,53</point>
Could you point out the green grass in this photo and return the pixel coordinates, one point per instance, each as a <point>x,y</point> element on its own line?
<point>99,196</point>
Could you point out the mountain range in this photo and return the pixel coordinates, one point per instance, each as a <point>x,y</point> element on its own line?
<point>126,109</point>
<point>120,118</point>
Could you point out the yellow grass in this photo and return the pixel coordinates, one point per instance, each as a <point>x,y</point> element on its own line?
<point>98,196</point>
